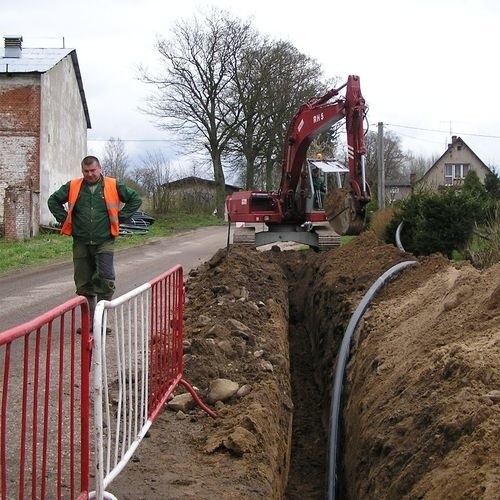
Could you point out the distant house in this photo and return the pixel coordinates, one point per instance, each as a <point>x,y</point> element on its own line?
<point>194,191</point>
<point>398,190</point>
<point>453,166</point>
<point>43,131</point>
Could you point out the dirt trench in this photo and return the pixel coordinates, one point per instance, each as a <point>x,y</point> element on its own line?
<point>422,399</point>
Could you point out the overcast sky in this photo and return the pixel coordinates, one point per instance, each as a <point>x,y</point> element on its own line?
<point>428,68</point>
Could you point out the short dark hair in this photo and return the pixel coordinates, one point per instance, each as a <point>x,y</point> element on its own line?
<point>88,160</point>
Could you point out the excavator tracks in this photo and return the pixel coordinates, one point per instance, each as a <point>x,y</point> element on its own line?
<point>244,236</point>
<point>327,238</point>
<point>327,242</point>
<point>323,238</point>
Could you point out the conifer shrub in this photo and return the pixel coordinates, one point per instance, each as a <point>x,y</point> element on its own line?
<point>441,222</point>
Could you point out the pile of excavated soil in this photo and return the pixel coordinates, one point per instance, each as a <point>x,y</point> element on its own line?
<point>422,396</point>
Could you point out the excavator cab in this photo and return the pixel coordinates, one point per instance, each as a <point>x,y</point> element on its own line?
<point>323,176</point>
<point>329,196</point>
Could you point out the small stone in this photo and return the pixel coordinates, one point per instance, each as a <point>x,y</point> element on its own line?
<point>204,320</point>
<point>182,402</point>
<point>226,347</point>
<point>279,360</point>
<point>216,331</point>
<point>234,324</point>
<point>243,391</point>
<point>240,348</point>
<point>241,293</point>
<point>243,335</point>
<point>267,367</point>
<point>222,389</point>
<point>494,396</point>
<point>186,346</point>
<point>180,415</point>
<point>259,353</point>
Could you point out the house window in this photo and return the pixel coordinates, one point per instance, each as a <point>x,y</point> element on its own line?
<point>455,171</point>
<point>394,191</point>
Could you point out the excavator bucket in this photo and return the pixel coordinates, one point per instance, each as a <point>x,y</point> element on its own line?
<point>342,212</point>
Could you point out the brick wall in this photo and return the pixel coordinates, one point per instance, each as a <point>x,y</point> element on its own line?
<point>18,207</point>
<point>19,153</point>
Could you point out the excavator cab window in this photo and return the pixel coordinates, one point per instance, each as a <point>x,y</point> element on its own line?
<point>323,176</point>
<point>318,187</point>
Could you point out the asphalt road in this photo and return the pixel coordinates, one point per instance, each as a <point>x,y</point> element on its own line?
<point>24,295</point>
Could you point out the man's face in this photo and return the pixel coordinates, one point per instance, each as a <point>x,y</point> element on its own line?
<point>92,172</point>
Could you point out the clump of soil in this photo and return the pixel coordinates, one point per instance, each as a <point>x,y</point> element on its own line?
<point>422,399</point>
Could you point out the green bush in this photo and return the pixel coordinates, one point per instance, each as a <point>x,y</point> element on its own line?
<point>441,222</point>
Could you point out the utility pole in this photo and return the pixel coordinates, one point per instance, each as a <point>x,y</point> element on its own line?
<point>380,166</point>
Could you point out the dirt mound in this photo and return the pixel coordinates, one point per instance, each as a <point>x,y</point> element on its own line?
<point>421,405</point>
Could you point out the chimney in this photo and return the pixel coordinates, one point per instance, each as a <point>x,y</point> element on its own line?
<point>413,179</point>
<point>13,46</point>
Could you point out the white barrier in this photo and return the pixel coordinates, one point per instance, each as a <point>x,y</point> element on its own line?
<point>117,436</point>
<point>136,369</point>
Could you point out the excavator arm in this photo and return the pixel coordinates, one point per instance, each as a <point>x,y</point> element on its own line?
<point>284,211</point>
<point>313,118</point>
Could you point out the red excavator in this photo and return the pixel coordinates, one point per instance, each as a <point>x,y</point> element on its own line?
<point>300,211</point>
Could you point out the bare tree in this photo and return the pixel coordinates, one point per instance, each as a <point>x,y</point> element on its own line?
<point>395,159</point>
<point>418,164</point>
<point>192,94</point>
<point>272,80</point>
<point>153,174</point>
<point>115,160</point>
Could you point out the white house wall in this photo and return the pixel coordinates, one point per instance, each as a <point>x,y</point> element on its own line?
<point>63,131</point>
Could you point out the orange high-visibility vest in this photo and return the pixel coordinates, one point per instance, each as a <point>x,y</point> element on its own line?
<point>110,197</point>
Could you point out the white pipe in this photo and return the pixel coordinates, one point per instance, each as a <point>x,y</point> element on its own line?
<point>398,236</point>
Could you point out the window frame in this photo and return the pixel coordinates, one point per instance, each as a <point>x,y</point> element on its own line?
<point>454,171</point>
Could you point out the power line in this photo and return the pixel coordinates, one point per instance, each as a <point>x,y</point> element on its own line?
<point>442,131</point>
<point>421,139</point>
<point>131,140</point>
<point>373,125</point>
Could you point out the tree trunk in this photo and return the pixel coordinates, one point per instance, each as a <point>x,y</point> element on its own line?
<point>220,184</point>
<point>250,172</point>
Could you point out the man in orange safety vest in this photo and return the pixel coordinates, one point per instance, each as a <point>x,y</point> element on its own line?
<point>95,206</point>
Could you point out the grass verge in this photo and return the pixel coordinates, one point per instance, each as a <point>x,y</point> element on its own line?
<point>48,248</point>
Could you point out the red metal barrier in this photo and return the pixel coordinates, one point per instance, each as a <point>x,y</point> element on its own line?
<point>44,424</point>
<point>166,349</point>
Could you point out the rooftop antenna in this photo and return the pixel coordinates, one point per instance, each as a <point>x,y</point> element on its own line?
<point>446,141</point>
